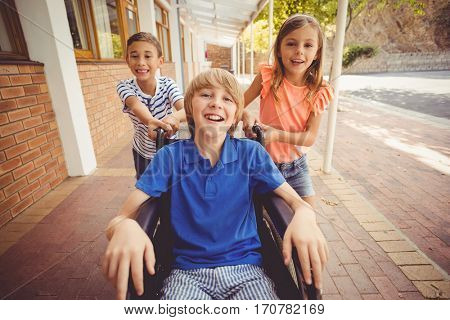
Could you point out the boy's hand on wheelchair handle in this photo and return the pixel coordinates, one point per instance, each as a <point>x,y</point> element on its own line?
<point>155,123</point>
<point>305,235</point>
<point>174,122</point>
<point>128,248</point>
<point>248,121</point>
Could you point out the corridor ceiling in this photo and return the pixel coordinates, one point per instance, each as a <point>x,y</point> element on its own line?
<point>220,21</point>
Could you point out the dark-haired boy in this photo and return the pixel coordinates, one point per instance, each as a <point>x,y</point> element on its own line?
<point>149,100</point>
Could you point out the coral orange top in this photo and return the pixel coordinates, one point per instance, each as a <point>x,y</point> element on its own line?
<point>290,113</point>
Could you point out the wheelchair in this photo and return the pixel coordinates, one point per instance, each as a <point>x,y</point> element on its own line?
<point>273,216</point>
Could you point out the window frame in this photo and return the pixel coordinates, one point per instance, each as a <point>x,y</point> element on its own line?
<point>159,26</point>
<point>14,32</point>
<point>90,24</point>
<point>183,45</point>
<point>83,53</point>
<point>132,6</point>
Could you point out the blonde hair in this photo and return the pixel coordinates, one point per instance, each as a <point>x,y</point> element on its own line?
<point>214,78</point>
<point>314,74</point>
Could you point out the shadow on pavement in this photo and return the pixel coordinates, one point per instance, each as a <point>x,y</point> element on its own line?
<point>410,100</point>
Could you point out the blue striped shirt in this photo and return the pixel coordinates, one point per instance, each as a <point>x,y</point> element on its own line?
<point>160,105</point>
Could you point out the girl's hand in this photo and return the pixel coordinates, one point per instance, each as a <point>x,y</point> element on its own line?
<point>304,234</point>
<point>128,248</point>
<point>270,133</point>
<point>248,121</point>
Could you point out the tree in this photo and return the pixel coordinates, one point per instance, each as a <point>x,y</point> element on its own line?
<point>325,11</point>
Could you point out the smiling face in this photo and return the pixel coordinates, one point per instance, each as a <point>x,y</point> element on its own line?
<point>143,60</point>
<point>213,111</point>
<point>298,50</point>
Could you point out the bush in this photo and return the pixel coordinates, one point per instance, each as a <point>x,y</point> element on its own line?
<point>355,51</point>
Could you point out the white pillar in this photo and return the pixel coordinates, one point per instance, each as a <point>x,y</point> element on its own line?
<point>146,12</point>
<point>243,57</point>
<point>238,57</point>
<point>251,51</point>
<point>177,58</point>
<point>46,30</point>
<point>334,77</point>
<point>270,23</point>
<point>233,58</point>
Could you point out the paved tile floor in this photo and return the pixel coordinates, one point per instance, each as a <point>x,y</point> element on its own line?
<point>53,250</point>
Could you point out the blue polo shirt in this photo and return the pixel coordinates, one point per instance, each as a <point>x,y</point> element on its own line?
<point>212,212</point>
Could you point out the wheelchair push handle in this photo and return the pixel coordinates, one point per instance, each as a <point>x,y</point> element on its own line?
<point>259,134</point>
<point>159,138</point>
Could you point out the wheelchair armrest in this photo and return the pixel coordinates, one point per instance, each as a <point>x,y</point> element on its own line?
<point>281,215</point>
<point>148,216</point>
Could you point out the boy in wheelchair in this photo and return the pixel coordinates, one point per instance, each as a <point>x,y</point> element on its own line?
<point>211,179</point>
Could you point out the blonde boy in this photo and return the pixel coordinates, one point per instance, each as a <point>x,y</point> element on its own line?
<point>216,247</point>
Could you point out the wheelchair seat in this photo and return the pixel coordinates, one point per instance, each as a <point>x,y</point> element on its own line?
<point>273,216</point>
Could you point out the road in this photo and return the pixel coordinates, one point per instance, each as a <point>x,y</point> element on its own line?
<point>424,92</point>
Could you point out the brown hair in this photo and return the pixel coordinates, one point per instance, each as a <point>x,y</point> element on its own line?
<point>147,37</point>
<point>314,74</point>
<point>214,78</point>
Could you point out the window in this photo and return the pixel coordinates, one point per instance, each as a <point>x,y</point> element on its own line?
<point>12,41</point>
<point>130,14</point>
<point>100,28</point>
<point>76,14</point>
<point>162,26</point>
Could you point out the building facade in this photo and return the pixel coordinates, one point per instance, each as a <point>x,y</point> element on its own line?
<point>60,62</point>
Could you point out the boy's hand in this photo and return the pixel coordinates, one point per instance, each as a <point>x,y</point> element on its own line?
<point>155,123</point>
<point>128,247</point>
<point>304,234</point>
<point>248,121</point>
<point>174,122</point>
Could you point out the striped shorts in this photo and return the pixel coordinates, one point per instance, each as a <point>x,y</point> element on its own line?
<point>241,282</point>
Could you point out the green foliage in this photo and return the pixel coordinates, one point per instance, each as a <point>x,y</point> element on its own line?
<point>117,46</point>
<point>324,11</point>
<point>260,37</point>
<point>355,51</point>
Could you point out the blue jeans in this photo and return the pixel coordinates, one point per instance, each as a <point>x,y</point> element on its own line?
<point>297,175</point>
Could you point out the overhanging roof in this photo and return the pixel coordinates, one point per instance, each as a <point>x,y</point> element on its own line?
<point>220,21</point>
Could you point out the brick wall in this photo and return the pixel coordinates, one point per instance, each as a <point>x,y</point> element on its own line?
<point>106,120</point>
<point>258,59</point>
<point>168,70</point>
<point>31,156</point>
<point>219,56</point>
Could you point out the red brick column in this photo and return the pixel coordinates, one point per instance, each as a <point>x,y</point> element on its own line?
<point>31,156</point>
<point>106,120</point>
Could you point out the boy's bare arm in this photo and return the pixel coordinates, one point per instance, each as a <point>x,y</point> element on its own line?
<point>304,234</point>
<point>175,118</point>
<point>129,246</point>
<point>144,115</point>
<point>179,105</point>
